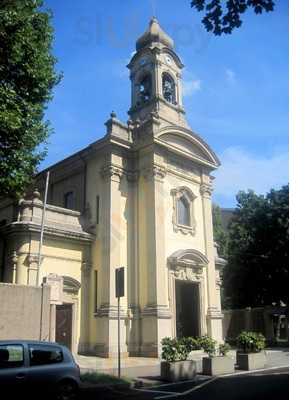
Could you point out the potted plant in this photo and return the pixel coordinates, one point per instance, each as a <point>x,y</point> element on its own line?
<point>216,364</point>
<point>251,354</point>
<point>195,351</point>
<point>174,365</point>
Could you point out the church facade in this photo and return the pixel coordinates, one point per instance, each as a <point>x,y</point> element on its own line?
<point>139,198</point>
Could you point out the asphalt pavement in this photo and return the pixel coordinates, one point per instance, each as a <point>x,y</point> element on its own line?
<point>265,385</point>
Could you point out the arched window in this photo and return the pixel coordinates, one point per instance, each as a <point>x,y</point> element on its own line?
<point>183,211</point>
<point>169,88</point>
<point>145,89</point>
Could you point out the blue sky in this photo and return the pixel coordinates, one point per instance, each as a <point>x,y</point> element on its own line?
<point>236,87</point>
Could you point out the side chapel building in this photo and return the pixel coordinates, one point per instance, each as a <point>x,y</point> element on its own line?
<point>140,197</point>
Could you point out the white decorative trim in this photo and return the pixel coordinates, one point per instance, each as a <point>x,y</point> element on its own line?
<point>190,197</point>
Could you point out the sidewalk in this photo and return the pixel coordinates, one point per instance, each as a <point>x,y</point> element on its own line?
<point>136,367</point>
<point>131,367</point>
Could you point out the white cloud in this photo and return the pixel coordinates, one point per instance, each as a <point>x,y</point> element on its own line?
<point>191,86</point>
<point>230,75</point>
<point>241,170</point>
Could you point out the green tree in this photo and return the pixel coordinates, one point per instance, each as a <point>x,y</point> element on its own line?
<point>220,236</point>
<point>220,18</point>
<point>257,272</point>
<point>27,77</point>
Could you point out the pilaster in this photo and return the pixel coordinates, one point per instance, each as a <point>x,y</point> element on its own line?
<point>12,262</point>
<point>86,312</point>
<point>156,315</point>
<point>111,242</point>
<point>214,315</point>
<point>32,269</point>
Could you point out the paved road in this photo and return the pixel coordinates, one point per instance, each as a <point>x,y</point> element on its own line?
<point>268,385</point>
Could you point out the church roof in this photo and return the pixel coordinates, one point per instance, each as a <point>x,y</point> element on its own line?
<point>154,34</point>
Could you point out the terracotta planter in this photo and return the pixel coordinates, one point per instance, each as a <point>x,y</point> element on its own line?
<point>219,365</point>
<point>178,370</point>
<point>250,361</point>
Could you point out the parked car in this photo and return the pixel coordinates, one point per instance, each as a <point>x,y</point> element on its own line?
<point>38,367</point>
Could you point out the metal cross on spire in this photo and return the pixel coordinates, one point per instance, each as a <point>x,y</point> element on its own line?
<point>154,8</point>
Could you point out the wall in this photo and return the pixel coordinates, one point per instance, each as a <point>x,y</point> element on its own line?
<point>20,312</point>
<point>248,319</point>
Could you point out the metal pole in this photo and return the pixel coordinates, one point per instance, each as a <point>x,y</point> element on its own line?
<point>118,335</point>
<point>42,228</point>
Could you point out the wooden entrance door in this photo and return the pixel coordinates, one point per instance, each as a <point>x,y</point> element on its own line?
<point>63,333</point>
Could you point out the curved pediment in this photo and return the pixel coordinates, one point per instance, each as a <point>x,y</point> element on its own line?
<point>188,143</point>
<point>70,284</point>
<point>188,257</point>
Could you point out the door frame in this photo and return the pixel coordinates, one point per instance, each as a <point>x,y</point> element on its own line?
<point>172,296</point>
<point>199,317</point>
<point>72,324</point>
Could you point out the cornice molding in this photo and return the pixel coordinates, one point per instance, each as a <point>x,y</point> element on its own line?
<point>116,173</point>
<point>214,313</point>
<point>112,172</point>
<point>110,312</point>
<point>24,227</point>
<point>158,311</point>
<point>157,172</point>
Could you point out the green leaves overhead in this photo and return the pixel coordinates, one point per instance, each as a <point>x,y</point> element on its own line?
<point>223,17</point>
<point>27,78</point>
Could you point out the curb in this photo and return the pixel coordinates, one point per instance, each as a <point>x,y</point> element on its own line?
<point>253,371</point>
<point>107,386</point>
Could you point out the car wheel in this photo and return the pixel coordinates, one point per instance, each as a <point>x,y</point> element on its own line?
<point>67,390</point>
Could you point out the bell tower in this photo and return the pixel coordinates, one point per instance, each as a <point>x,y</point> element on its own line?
<point>155,73</point>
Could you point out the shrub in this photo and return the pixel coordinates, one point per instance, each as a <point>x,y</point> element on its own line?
<point>208,344</point>
<point>191,343</point>
<point>173,350</point>
<point>105,379</point>
<point>251,342</point>
<point>224,349</point>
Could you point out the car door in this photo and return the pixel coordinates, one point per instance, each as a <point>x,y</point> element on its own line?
<point>13,366</point>
<point>46,366</point>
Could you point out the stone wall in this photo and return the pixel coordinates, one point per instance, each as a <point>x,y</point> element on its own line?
<point>24,312</point>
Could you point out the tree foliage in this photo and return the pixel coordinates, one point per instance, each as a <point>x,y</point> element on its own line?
<point>220,236</point>
<point>257,272</point>
<point>27,77</point>
<point>224,19</point>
